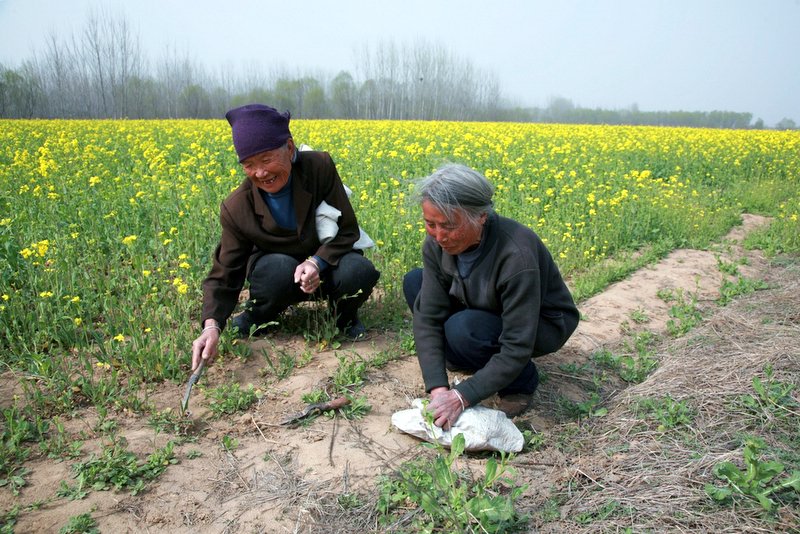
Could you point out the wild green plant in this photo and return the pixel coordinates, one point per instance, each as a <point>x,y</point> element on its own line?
<point>635,366</point>
<point>533,440</point>
<point>449,500</point>
<point>357,408</point>
<point>758,480</point>
<point>407,344</point>
<point>610,509</point>
<point>396,349</point>
<point>727,267</point>
<point>574,368</point>
<point>349,501</point>
<point>72,493</point>
<point>350,373</point>
<point>743,286</point>
<point>684,315</point>
<point>283,364</point>
<point>19,427</point>
<point>80,524</point>
<point>639,316</point>
<point>782,236</point>
<point>226,399</point>
<point>666,412</point>
<point>585,409</point>
<point>229,443</point>
<point>59,445</point>
<point>320,329</point>
<point>118,468</point>
<point>667,295</point>
<point>8,519</point>
<point>773,398</point>
<point>168,420</point>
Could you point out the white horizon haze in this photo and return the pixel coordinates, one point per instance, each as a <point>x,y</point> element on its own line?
<point>682,55</point>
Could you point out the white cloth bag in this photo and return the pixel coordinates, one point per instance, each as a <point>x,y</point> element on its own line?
<point>328,220</point>
<point>484,429</point>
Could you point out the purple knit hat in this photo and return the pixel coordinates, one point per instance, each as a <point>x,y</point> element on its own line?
<point>257,128</point>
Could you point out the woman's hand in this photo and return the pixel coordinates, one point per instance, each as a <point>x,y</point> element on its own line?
<point>205,346</point>
<point>307,275</point>
<point>447,406</point>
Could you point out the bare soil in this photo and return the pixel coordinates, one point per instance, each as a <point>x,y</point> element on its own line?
<point>289,479</point>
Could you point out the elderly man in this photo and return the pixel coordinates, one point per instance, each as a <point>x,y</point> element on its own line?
<point>269,236</point>
<point>488,299</point>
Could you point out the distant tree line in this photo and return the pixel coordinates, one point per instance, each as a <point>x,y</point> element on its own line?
<point>102,72</point>
<point>562,110</point>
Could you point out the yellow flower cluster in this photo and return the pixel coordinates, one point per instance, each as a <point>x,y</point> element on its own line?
<point>132,206</point>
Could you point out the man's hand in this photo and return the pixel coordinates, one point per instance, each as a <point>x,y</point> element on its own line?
<point>205,346</point>
<point>307,275</point>
<point>446,405</point>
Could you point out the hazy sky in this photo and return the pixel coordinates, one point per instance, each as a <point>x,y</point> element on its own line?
<point>692,55</point>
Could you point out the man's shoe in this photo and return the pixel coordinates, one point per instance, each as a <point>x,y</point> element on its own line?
<point>355,332</point>
<point>515,404</point>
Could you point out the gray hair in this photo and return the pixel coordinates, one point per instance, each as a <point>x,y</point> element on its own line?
<point>457,187</point>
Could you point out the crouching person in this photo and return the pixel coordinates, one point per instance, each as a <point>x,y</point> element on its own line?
<point>488,299</point>
<point>269,236</point>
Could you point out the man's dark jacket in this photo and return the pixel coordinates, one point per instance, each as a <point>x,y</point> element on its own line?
<point>515,278</point>
<point>248,227</point>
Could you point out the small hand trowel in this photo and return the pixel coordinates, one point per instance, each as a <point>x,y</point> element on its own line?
<point>192,381</point>
<point>316,408</point>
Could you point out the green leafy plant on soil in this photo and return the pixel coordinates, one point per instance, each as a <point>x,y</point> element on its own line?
<point>609,509</point>
<point>80,524</point>
<point>229,443</point>
<point>320,329</point>
<point>758,480</point>
<point>773,398</point>
<point>231,398</point>
<point>8,520</point>
<point>634,366</point>
<point>639,316</point>
<point>684,314</point>
<point>743,286</point>
<point>666,412</point>
<point>118,468</point>
<point>439,498</point>
<point>588,408</point>
<point>729,267</point>
<point>60,445</point>
<point>168,420</point>
<point>18,428</point>
<point>350,373</point>
<point>283,362</point>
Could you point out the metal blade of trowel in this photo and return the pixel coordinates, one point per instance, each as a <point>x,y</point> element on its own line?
<point>192,381</point>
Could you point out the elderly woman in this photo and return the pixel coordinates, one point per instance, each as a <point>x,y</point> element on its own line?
<point>488,299</point>
<point>270,237</point>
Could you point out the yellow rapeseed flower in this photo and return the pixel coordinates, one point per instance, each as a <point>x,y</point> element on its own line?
<point>41,247</point>
<point>128,240</point>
